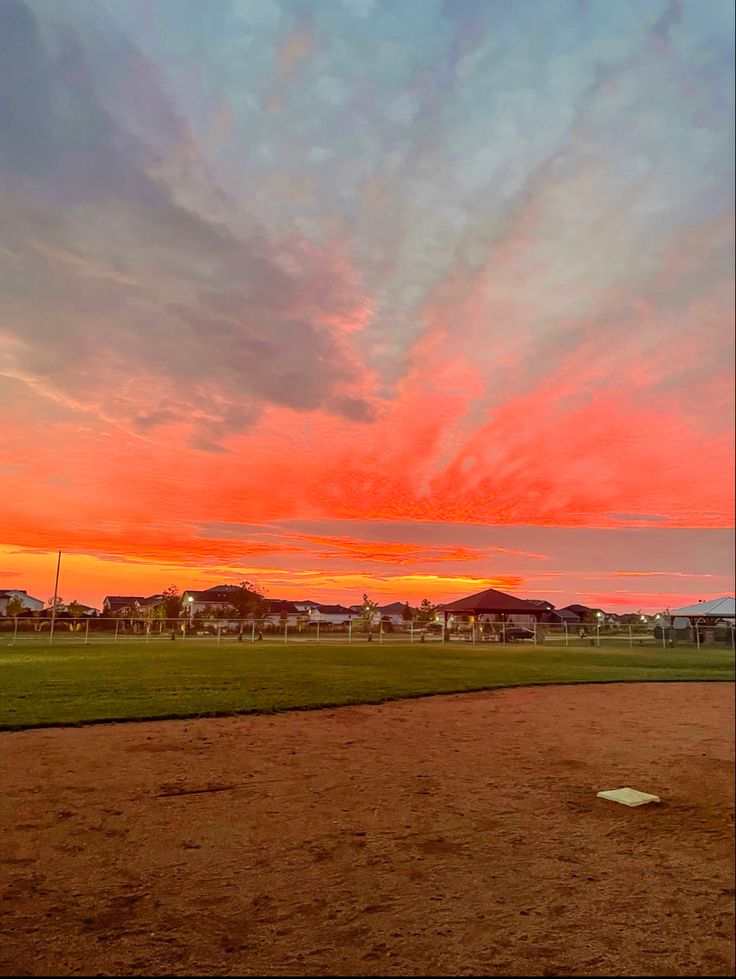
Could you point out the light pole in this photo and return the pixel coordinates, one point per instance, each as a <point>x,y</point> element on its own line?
<point>190,600</point>
<point>599,616</point>
<point>56,596</point>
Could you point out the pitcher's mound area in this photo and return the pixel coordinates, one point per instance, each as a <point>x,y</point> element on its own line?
<point>454,835</point>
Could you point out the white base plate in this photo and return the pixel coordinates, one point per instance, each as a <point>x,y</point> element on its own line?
<point>628,797</point>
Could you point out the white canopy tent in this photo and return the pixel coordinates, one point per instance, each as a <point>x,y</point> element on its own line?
<point>716,608</point>
<point>713,616</point>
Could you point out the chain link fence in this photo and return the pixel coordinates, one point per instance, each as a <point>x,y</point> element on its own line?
<point>45,629</point>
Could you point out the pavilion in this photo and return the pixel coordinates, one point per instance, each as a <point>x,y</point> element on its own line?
<point>716,612</point>
<point>495,604</point>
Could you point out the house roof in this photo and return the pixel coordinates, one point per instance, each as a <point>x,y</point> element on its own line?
<point>566,613</point>
<point>395,608</point>
<point>281,605</point>
<point>152,600</point>
<point>491,600</point>
<point>211,596</point>
<point>124,599</point>
<point>716,608</point>
<point>333,609</point>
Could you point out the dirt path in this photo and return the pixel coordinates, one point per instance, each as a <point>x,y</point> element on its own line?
<point>450,835</point>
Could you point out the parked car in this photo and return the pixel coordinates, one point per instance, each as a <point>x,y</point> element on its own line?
<point>518,634</point>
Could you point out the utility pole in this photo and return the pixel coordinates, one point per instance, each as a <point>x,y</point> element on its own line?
<point>56,595</point>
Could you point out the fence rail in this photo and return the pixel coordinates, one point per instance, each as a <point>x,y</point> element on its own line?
<point>94,629</point>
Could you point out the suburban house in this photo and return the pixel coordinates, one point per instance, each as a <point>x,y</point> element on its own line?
<point>122,604</point>
<point>582,613</point>
<point>278,612</point>
<point>194,601</point>
<point>85,611</point>
<point>331,614</point>
<point>8,594</point>
<point>561,616</point>
<point>541,603</point>
<point>393,614</point>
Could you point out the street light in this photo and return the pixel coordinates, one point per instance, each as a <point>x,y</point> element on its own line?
<point>190,599</point>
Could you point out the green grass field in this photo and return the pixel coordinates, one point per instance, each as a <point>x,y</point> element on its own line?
<point>74,683</point>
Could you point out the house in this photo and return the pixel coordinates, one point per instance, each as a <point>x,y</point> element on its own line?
<point>279,613</point>
<point>305,606</point>
<point>393,614</point>
<point>541,603</point>
<point>152,602</point>
<point>122,604</point>
<point>331,614</point>
<point>552,616</point>
<point>213,600</point>
<point>196,601</point>
<point>85,611</point>
<point>19,594</point>
<point>561,616</point>
<point>582,613</point>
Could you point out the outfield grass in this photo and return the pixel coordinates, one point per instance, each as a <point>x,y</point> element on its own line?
<point>77,683</point>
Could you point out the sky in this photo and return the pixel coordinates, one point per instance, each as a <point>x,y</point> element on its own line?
<point>401,297</point>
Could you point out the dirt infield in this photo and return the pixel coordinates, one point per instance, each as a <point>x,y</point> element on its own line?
<point>455,835</point>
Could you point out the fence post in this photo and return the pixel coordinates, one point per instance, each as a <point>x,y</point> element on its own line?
<point>380,631</point>
<point>664,641</point>
<point>733,647</point>
<point>631,638</point>
<point>219,627</point>
<point>503,631</point>
<point>117,626</point>
<point>286,631</point>
<point>86,633</point>
<point>411,631</point>
<point>317,630</point>
<point>535,631</point>
<point>444,624</point>
<point>567,640</point>
<point>350,630</point>
<point>15,629</point>
<point>697,636</point>
<point>253,631</point>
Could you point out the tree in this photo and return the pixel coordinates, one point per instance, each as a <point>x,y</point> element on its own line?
<point>369,613</point>
<point>426,611</point>
<point>171,602</point>
<point>58,600</point>
<point>74,611</point>
<point>248,601</point>
<point>407,613</point>
<point>15,607</point>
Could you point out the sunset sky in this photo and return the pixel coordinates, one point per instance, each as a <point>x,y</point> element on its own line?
<point>406,297</point>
